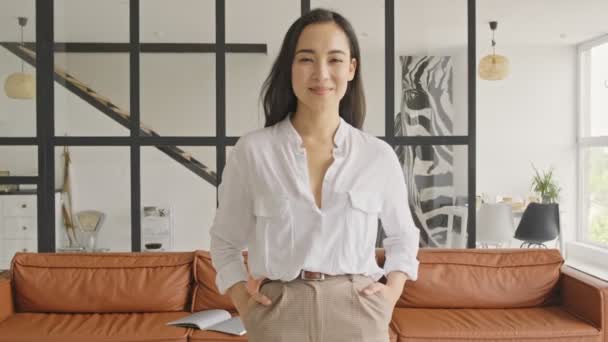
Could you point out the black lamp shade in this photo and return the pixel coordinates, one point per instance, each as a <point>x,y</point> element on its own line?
<point>539,223</point>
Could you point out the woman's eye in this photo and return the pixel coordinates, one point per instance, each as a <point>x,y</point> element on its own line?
<point>305,60</point>
<point>336,61</point>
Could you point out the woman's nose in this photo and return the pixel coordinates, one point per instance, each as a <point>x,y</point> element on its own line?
<point>321,71</point>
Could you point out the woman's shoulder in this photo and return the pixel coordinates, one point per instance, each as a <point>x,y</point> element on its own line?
<point>372,143</point>
<point>255,140</point>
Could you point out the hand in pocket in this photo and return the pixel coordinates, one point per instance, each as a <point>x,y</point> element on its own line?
<point>253,289</point>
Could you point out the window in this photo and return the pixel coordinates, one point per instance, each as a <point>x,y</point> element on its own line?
<point>593,142</point>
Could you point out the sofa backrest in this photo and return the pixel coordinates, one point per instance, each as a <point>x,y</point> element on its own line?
<point>206,294</point>
<point>447,278</point>
<point>483,278</point>
<point>102,282</point>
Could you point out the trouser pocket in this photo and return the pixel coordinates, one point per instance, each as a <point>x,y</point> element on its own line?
<point>375,305</point>
<point>257,312</point>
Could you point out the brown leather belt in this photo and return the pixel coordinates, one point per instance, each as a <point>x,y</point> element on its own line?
<point>308,275</point>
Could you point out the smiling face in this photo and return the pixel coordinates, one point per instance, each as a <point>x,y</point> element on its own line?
<point>322,67</point>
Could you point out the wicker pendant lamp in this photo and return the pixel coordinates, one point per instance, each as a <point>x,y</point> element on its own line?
<point>493,67</point>
<point>20,85</point>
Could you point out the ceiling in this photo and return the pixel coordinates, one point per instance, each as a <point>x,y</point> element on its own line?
<point>427,22</point>
<point>544,21</point>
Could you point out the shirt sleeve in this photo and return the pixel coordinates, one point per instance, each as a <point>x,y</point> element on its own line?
<point>402,235</point>
<point>232,224</point>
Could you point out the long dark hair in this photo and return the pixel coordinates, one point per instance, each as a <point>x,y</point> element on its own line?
<point>277,93</point>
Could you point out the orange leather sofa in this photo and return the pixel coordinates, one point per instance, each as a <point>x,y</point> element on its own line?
<point>461,295</point>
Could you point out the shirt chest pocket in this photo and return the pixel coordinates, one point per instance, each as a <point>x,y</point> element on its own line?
<point>363,210</point>
<point>274,232</point>
<point>361,225</point>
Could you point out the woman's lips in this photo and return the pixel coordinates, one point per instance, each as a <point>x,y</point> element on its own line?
<point>320,91</point>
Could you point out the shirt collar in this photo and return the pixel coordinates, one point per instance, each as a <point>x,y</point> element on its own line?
<point>294,136</point>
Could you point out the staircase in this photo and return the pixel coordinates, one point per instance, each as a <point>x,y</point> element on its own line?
<point>115,113</point>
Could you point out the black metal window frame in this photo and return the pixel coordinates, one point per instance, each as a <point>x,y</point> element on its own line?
<point>46,141</point>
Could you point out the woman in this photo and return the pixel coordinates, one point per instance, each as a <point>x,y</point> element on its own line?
<point>305,193</point>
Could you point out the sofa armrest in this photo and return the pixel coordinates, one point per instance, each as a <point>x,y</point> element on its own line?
<point>7,308</point>
<point>585,297</point>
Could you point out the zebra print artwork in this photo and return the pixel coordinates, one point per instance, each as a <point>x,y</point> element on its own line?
<point>427,110</point>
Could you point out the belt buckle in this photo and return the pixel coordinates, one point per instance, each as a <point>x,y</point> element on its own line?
<point>303,276</point>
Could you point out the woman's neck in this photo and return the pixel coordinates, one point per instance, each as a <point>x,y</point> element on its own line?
<point>317,126</point>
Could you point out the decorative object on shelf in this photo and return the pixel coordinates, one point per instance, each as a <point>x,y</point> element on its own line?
<point>157,229</point>
<point>493,67</point>
<point>545,185</point>
<point>539,224</point>
<point>89,222</point>
<point>67,208</point>
<point>20,85</point>
<point>7,187</point>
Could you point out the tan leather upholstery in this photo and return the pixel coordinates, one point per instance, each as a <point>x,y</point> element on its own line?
<point>206,293</point>
<point>123,327</point>
<point>522,324</point>
<point>392,334</point>
<point>483,278</point>
<point>585,297</point>
<point>6,299</point>
<point>205,335</point>
<point>130,297</point>
<point>112,282</point>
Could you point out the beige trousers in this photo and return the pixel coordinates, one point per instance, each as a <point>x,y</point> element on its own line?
<point>329,310</point>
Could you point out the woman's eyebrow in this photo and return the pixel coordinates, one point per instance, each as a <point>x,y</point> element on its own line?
<point>313,51</point>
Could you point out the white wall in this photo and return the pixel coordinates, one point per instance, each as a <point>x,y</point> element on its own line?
<point>529,118</point>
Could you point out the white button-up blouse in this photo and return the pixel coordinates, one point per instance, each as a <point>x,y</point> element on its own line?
<point>266,205</point>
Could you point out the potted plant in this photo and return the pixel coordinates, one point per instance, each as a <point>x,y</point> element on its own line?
<point>545,185</point>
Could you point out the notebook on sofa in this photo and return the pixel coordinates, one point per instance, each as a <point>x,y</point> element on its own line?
<point>216,320</point>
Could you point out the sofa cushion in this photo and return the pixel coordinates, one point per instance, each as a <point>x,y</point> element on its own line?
<point>7,307</point>
<point>102,282</point>
<point>483,278</point>
<point>206,294</point>
<point>120,327</point>
<point>209,336</point>
<point>522,324</point>
<point>213,336</point>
